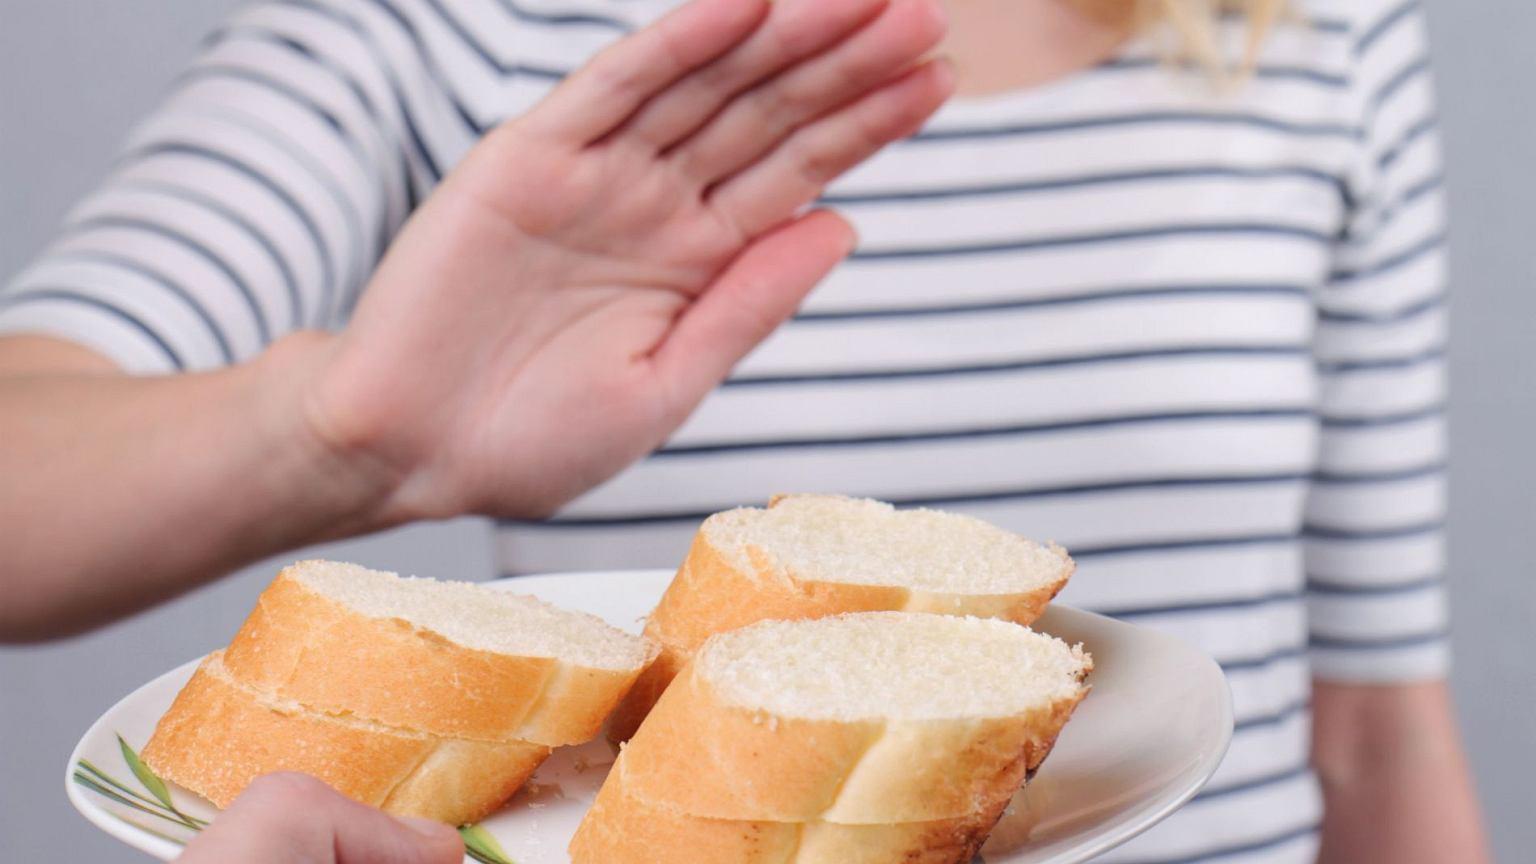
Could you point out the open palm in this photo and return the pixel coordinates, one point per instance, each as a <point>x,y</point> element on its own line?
<point>593,268</point>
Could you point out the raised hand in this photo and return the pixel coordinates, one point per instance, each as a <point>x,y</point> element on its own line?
<point>593,268</point>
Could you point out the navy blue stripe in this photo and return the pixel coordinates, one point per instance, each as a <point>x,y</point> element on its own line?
<point>1394,151</point>
<point>1081,552</point>
<point>1272,842</point>
<point>1389,316</point>
<point>1301,292</point>
<point>1391,210</point>
<point>215,71</point>
<point>1392,262</point>
<point>698,515</point>
<point>1144,118</point>
<point>1414,472</point>
<point>258,315</point>
<point>1225,604</point>
<point>1227,351</point>
<point>1421,189</point>
<point>296,313</point>
<point>73,296</point>
<point>171,285</point>
<point>178,148</point>
<point>1261,782</point>
<point>504,68</point>
<point>1399,80</point>
<point>1274,718</point>
<point>710,448</point>
<point>433,68</point>
<point>352,219</point>
<point>1384,25</point>
<point>1337,26</point>
<point>1036,492</point>
<point>1328,532</point>
<point>266,35</point>
<point>1336,421</point>
<point>1338,367</point>
<point>1257,229</point>
<point>1117,486</point>
<point>1264,71</point>
<point>1194,172</point>
<point>218,71</point>
<point>564,18</point>
<point>302,100</point>
<point>1378,643</point>
<point>1323,587</point>
<point>1315,23</point>
<point>387,68</point>
<point>360,93</point>
<point>1263,661</point>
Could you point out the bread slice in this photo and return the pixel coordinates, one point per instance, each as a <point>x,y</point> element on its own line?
<point>807,556</point>
<point>220,734</point>
<point>624,829</point>
<point>865,719</point>
<point>445,658</point>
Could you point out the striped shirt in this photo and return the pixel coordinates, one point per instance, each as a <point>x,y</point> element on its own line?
<point>1196,336</point>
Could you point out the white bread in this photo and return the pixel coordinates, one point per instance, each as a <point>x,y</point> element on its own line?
<point>445,658</point>
<point>807,556</point>
<point>908,732</point>
<point>220,734</point>
<point>623,829</point>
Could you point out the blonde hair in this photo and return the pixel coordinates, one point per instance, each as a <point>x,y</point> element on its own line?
<point>1194,23</point>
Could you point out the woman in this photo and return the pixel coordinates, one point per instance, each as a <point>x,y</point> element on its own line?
<point>1186,323</point>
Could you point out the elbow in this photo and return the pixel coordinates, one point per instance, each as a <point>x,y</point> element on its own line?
<point>29,614</point>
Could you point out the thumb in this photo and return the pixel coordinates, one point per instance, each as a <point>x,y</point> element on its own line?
<point>749,300</point>
<point>296,819</point>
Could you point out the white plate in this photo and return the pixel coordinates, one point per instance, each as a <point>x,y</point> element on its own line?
<point>1146,739</point>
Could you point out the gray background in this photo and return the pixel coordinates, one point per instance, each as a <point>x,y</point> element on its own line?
<point>75,74</point>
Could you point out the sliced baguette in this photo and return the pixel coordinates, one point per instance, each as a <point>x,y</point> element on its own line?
<point>624,829</point>
<point>862,719</point>
<point>445,658</point>
<point>220,734</point>
<point>807,556</point>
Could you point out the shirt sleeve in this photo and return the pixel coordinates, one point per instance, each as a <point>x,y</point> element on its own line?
<point>252,203</point>
<point>1374,534</point>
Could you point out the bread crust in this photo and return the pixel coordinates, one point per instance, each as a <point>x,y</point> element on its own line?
<point>711,594</point>
<point>704,757</point>
<point>391,672</point>
<point>622,828</point>
<point>219,735</point>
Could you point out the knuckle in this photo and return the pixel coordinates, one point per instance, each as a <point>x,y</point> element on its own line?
<point>673,48</point>
<point>616,77</point>
<point>789,103</point>
<point>829,151</point>
<point>854,76</point>
<point>818,161</point>
<point>792,39</point>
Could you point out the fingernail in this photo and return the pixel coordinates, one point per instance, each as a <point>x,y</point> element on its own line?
<point>430,828</point>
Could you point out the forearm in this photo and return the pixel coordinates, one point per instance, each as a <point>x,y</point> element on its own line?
<point>120,492</point>
<point>1395,779</point>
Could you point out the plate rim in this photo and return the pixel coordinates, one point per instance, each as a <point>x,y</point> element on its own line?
<point>1131,824</point>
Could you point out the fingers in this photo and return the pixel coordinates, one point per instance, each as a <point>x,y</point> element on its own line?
<point>600,96</point>
<point>755,294</point>
<point>295,818</point>
<point>756,122</point>
<point>793,31</point>
<point>795,174</point>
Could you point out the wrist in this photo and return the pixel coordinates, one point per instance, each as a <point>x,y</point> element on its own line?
<point>348,489</point>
